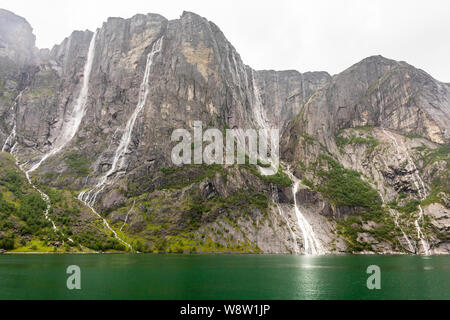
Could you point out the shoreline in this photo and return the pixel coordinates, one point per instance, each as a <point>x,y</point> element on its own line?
<point>219,253</point>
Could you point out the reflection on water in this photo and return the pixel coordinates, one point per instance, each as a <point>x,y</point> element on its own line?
<point>223,277</point>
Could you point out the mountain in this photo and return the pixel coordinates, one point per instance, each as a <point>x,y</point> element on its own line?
<point>89,123</point>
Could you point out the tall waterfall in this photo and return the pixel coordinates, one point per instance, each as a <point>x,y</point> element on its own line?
<point>68,131</point>
<point>10,142</point>
<point>311,242</point>
<point>417,180</point>
<point>90,197</point>
<point>9,146</point>
<point>70,127</point>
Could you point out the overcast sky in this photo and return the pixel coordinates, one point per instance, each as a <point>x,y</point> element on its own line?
<point>279,34</point>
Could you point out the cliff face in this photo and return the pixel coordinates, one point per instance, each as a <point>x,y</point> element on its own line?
<point>379,92</point>
<point>388,121</point>
<point>150,76</point>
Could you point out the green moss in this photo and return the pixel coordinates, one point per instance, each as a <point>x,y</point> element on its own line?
<point>440,154</point>
<point>308,139</point>
<point>409,207</point>
<point>78,164</point>
<point>98,242</point>
<point>280,179</point>
<point>308,183</point>
<point>439,190</point>
<point>370,141</point>
<point>351,228</point>
<point>41,92</point>
<point>344,187</point>
<point>180,177</point>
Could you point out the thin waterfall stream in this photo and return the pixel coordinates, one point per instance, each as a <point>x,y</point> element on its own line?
<point>312,244</point>
<point>69,129</point>
<point>417,180</point>
<point>89,197</point>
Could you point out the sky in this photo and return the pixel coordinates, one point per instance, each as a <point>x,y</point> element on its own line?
<point>319,35</point>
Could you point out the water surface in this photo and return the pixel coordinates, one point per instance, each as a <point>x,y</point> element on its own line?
<point>223,277</point>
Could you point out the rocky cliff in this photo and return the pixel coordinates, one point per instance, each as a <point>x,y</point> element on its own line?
<point>365,152</point>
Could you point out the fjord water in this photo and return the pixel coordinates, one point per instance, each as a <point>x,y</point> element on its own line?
<point>223,277</point>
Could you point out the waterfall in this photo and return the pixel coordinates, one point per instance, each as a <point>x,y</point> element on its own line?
<point>70,127</point>
<point>128,214</point>
<point>89,197</point>
<point>68,131</point>
<point>258,111</point>
<point>303,89</point>
<point>417,180</point>
<point>397,224</point>
<point>10,142</point>
<point>293,237</point>
<point>44,196</point>
<point>311,242</point>
<point>9,146</point>
<point>105,222</point>
<point>395,217</point>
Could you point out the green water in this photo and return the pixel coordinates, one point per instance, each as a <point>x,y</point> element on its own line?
<point>223,277</point>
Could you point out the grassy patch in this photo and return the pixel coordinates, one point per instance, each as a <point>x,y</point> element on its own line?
<point>180,177</point>
<point>78,164</point>
<point>344,187</point>
<point>342,141</point>
<point>409,207</point>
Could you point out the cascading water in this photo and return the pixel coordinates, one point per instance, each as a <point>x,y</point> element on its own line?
<point>311,242</point>
<point>90,197</point>
<point>303,87</point>
<point>70,127</point>
<point>68,131</point>
<point>397,224</point>
<point>9,146</point>
<point>44,197</point>
<point>293,237</point>
<point>417,180</point>
<point>128,214</point>
<point>10,142</point>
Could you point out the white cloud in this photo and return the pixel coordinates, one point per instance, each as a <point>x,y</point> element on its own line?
<point>326,35</point>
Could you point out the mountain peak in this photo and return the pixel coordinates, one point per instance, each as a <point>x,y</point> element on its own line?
<point>17,41</point>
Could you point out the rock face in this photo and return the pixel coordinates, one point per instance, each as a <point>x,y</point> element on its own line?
<point>284,93</point>
<point>17,54</point>
<point>17,42</point>
<point>197,75</point>
<point>383,93</point>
